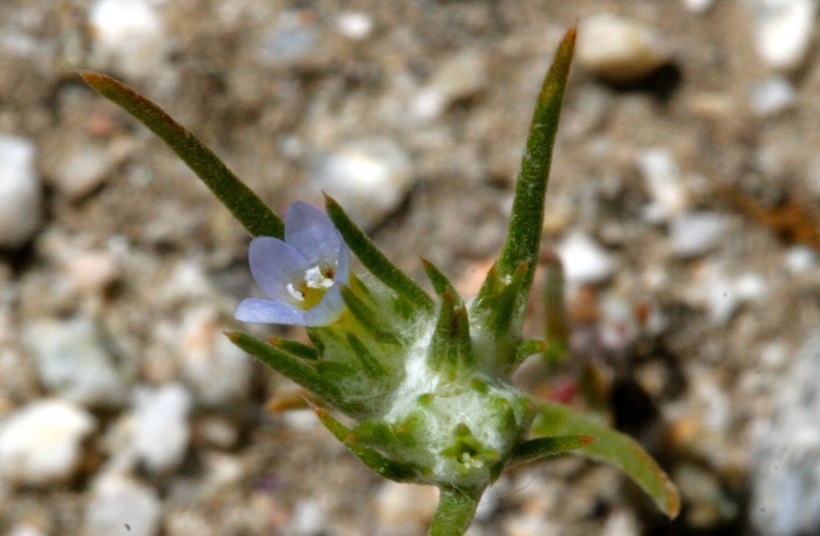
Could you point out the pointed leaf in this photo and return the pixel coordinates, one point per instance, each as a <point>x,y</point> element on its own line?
<point>524,236</point>
<point>437,278</point>
<point>547,446</point>
<point>296,348</point>
<point>612,447</point>
<point>243,203</point>
<point>381,465</point>
<point>374,260</point>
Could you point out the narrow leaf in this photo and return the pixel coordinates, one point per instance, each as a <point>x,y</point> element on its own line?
<point>437,278</point>
<point>381,465</point>
<point>296,348</point>
<point>455,511</point>
<point>366,318</point>
<point>547,446</point>
<point>324,386</point>
<point>612,447</point>
<point>374,260</point>
<point>243,203</point>
<point>524,236</point>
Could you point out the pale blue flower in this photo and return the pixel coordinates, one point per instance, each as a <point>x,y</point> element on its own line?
<point>301,275</point>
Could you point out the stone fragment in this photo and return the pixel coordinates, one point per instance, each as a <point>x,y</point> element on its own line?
<point>584,260</point>
<point>772,96</point>
<point>73,361</point>
<point>128,36</point>
<point>664,184</point>
<point>120,505</point>
<point>460,76</point>
<point>20,192</point>
<point>160,427</point>
<point>217,371</point>
<point>618,49</point>
<point>368,178</point>
<point>696,233</point>
<point>783,31</point>
<point>40,444</point>
<point>785,473</point>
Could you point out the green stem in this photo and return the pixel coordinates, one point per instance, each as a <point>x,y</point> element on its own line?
<point>455,512</point>
<point>243,203</point>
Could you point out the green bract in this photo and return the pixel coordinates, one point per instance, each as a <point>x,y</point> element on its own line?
<point>426,380</point>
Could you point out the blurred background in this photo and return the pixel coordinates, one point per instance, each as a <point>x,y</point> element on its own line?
<point>683,204</point>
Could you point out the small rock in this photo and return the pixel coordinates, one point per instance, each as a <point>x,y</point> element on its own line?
<point>160,427</point>
<point>531,524</point>
<point>25,529</point>
<point>406,505</point>
<point>77,165</point>
<point>20,192</point>
<point>772,96</point>
<point>696,233</point>
<point>127,36</point>
<point>72,361</point>
<point>786,475</point>
<point>293,39</point>
<point>621,522</point>
<point>92,271</point>
<point>663,182</point>
<point>40,443</point>
<point>308,518</point>
<point>369,179</point>
<point>584,260</point>
<point>800,259</point>
<point>783,31</point>
<point>618,49</point>
<point>698,6</point>
<point>217,370</point>
<point>119,505</point>
<point>355,25</point>
<point>458,77</point>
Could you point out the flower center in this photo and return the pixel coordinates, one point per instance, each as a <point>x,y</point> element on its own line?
<point>311,289</point>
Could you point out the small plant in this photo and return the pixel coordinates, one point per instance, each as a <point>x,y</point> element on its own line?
<point>425,379</point>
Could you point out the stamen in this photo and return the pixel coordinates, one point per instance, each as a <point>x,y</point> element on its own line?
<point>295,293</point>
<point>314,278</point>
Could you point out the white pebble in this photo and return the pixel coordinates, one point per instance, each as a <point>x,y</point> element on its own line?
<point>72,361</point>
<point>92,271</point>
<point>697,233</point>
<point>800,259</point>
<point>25,530</point>
<point>308,518</point>
<point>369,179</point>
<point>697,6</point>
<point>784,31</point>
<point>119,505</point>
<point>617,48</point>
<point>217,370</point>
<point>128,36</point>
<point>161,429</point>
<point>355,25</point>
<point>41,443</point>
<point>771,96</point>
<point>584,260</point>
<point>662,180</point>
<point>461,76</point>
<point>20,192</point>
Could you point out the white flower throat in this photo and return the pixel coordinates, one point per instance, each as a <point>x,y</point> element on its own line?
<point>314,278</point>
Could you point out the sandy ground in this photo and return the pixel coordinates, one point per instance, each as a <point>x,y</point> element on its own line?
<point>693,347</point>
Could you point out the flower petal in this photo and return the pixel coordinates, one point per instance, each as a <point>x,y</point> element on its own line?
<point>327,311</point>
<point>262,311</point>
<point>311,232</point>
<point>275,264</point>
